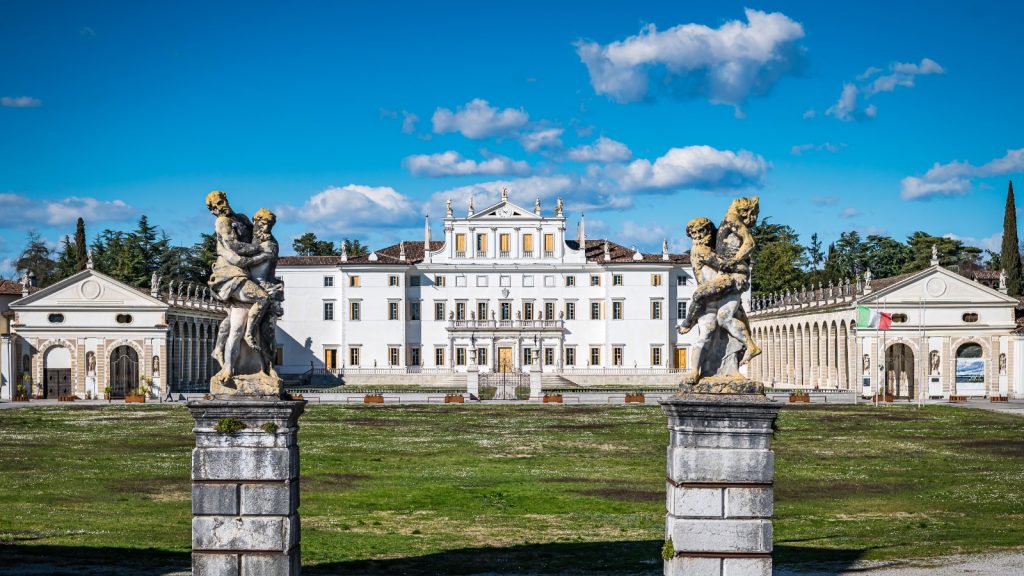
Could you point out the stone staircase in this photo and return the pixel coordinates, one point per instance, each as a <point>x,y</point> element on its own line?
<point>548,381</point>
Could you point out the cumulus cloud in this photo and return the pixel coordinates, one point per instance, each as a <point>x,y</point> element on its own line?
<point>799,149</point>
<point>602,150</point>
<point>725,64</point>
<point>343,208</point>
<point>850,213</point>
<point>695,167</point>
<point>20,102</point>
<point>852,103</point>
<point>452,163</point>
<point>541,138</point>
<point>954,178</point>
<point>18,210</point>
<point>478,119</point>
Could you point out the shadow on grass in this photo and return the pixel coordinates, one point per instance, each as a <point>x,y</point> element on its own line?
<point>634,558</point>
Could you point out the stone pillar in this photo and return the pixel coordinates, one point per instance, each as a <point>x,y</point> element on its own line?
<point>245,487</point>
<point>720,473</point>
<point>473,382</point>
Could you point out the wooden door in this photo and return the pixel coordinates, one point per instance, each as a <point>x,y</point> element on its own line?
<point>58,382</point>
<point>331,358</point>
<point>681,358</point>
<point>504,359</point>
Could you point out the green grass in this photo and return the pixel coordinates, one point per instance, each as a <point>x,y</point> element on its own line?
<point>511,489</point>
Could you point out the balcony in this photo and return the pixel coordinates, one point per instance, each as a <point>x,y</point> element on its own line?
<point>504,254</point>
<point>549,254</point>
<point>474,325</point>
<point>481,253</point>
<point>459,254</point>
<point>528,254</point>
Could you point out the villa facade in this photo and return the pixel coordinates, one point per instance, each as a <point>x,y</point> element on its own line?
<point>504,291</point>
<point>950,336</point>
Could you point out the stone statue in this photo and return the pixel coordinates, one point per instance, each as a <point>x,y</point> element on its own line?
<point>1002,363</point>
<point>933,362</point>
<point>866,365</point>
<point>156,365</point>
<point>90,364</point>
<point>243,281</point>
<point>723,276</point>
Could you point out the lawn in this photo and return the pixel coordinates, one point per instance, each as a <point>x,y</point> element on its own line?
<point>508,489</point>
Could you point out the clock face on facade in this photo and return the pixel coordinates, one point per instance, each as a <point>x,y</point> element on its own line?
<point>505,211</point>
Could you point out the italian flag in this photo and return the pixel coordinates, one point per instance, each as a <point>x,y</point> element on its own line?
<point>868,318</point>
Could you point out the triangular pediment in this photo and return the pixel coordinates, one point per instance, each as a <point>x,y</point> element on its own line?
<point>936,285</point>
<point>505,209</point>
<point>89,289</point>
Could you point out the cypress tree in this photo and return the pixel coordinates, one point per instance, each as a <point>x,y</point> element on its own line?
<point>1009,258</point>
<point>81,255</point>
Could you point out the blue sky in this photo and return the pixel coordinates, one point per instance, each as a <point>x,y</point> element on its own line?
<point>354,120</point>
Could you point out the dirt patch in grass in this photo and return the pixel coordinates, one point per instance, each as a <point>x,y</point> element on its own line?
<point>332,482</point>
<point>795,490</point>
<point>583,426</point>
<point>623,493</point>
<point>1001,447</point>
<point>566,480</point>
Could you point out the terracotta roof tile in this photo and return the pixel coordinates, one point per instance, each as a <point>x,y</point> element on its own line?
<point>308,260</point>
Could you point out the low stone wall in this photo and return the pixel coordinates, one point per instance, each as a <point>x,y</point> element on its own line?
<point>656,380</point>
<point>440,380</point>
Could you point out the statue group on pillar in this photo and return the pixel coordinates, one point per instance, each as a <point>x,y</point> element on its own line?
<point>243,279</point>
<point>721,264</point>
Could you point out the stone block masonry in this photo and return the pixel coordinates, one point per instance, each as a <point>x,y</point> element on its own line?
<point>720,472</point>
<point>245,487</point>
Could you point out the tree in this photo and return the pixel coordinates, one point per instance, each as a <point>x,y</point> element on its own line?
<point>885,256</point>
<point>814,253</point>
<point>953,254</point>
<point>66,264</point>
<point>132,257</point>
<point>354,248</point>
<point>1009,257</point>
<point>847,257</point>
<point>778,258</point>
<point>309,245</point>
<point>35,259</point>
<point>81,251</point>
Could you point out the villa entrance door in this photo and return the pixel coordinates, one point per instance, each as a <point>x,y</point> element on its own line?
<point>504,359</point>
<point>58,382</point>
<point>681,358</point>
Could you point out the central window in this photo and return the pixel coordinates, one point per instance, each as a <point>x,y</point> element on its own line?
<point>570,310</point>
<point>460,310</point>
<point>527,310</point>
<point>549,244</point>
<point>505,245</point>
<point>527,244</point>
<point>506,310</point>
<point>481,244</point>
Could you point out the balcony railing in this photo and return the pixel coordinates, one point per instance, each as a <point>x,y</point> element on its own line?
<point>504,254</point>
<point>481,253</point>
<point>513,324</point>
<point>460,254</point>
<point>527,253</point>
<point>548,254</point>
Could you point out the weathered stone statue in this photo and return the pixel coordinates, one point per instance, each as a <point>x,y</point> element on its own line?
<point>243,280</point>
<point>721,263</point>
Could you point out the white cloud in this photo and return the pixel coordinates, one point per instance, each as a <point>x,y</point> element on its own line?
<point>541,138</point>
<point>409,121</point>
<point>799,149</point>
<point>20,102</point>
<point>725,64</point>
<point>809,113</point>
<point>452,163</point>
<point>696,167</point>
<point>648,236</point>
<point>850,213</point>
<point>343,208</point>
<point>954,178</point>
<point>17,210</point>
<point>477,119</point>
<point>851,103</point>
<point>993,242</point>
<point>602,150</point>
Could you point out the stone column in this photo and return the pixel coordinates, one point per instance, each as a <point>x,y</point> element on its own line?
<point>720,472</point>
<point>245,487</point>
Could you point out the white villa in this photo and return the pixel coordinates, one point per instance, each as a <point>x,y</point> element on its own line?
<point>90,331</point>
<point>504,291</point>
<point>950,335</point>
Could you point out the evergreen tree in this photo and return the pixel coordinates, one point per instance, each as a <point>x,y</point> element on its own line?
<point>81,250</point>
<point>814,253</point>
<point>66,264</point>
<point>778,258</point>
<point>355,248</point>
<point>953,254</point>
<point>36,259</point>
<point>885,256</point>
<point>1009,258</point>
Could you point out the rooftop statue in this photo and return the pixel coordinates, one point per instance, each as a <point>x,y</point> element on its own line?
<point>721,264</point>
<point>244,281</point>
